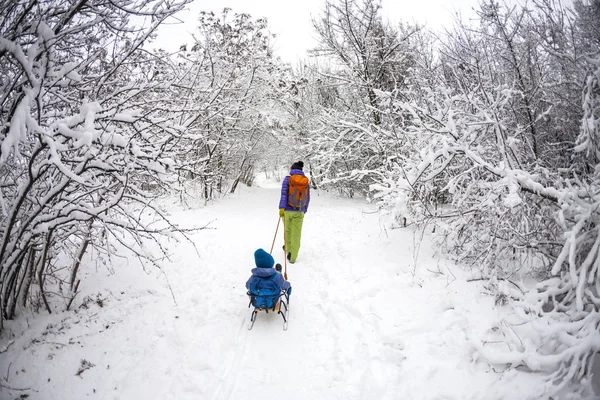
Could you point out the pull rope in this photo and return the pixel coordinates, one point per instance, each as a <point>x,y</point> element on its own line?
<point>286,251</point>
<point>276,229</point>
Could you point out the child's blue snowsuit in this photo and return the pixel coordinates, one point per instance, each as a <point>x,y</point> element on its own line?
<point>265,280</point>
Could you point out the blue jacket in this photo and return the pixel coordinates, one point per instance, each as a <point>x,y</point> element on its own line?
<point>283,201</point>
<point>267,278</point>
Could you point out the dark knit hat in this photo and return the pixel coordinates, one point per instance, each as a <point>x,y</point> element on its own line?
<point>297,165</point>
<point>263,259</point>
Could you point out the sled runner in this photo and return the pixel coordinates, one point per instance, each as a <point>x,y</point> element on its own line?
<point>278,302</point>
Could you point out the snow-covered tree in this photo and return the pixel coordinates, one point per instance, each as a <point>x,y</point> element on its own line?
<point>497,161</point>
<point>225,87</point>
<point>487,137</point>
<point>372,61</point>
<point>81,147</point>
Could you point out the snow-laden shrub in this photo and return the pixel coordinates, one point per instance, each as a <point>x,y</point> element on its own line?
<point>507,221</point>
<point>83,147</point>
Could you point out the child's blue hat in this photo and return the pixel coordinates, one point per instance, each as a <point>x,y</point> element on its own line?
<point>263,259</point>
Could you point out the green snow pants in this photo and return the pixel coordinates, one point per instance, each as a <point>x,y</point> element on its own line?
<point>293,232</point>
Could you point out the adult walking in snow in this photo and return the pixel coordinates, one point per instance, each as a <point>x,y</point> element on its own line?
<point>293,204</point>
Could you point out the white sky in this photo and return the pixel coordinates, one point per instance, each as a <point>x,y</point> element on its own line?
<point>291,20</point>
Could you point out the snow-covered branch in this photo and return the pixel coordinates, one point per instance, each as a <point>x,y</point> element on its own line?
<point>76,154</point>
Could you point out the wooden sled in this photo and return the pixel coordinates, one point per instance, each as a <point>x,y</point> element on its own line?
<point>280,307</point>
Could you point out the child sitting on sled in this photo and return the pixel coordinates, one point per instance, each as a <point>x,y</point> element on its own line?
<point>265,278</point>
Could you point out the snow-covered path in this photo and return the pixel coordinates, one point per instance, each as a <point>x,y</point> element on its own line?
<point>365,323</point>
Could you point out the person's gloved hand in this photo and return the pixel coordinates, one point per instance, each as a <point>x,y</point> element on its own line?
<point>281,212</point>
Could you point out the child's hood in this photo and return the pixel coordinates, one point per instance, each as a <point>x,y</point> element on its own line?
<point>263,272</point>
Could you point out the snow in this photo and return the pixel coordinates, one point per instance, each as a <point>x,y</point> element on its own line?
<point>46,33</point>
<point>67,70</point>
<point>130,116</point>
<point>74,76</point>
<point>374,314</point>
<point>17,131</point>
<point>512,199</point>
<point>117,139</point>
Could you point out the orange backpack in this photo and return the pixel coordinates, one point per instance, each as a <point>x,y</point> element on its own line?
<point>297,191</point>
